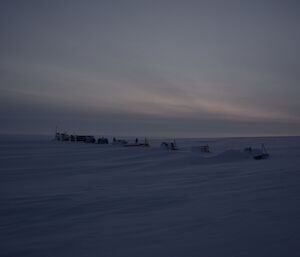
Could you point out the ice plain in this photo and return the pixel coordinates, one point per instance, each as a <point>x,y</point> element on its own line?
<point>76,199</point>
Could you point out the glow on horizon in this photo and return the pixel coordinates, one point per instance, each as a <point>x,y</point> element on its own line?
<point>154,65</point>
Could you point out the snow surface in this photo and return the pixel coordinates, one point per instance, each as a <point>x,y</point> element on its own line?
<point>76,199</point>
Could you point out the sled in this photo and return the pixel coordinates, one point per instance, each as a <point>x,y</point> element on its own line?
<point>258,154</point>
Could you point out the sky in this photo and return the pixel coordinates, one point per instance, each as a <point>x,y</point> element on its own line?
<point>150,68</point>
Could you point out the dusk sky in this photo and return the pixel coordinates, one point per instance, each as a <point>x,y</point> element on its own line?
<point>154,68</point>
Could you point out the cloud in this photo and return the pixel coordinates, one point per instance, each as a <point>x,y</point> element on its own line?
<point>167,66</point>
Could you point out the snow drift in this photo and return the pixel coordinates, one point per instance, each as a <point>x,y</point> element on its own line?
<point>66,199</point>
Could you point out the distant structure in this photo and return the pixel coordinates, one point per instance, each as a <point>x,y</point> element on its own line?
<point>62,136</point>
<point>257,154</point>
<point>73,138</point>
<point>204,149</point>
<point>119,141</point>
<point>102,141</point>
<point>136,143</point>
<point>169,145</point>
<point>92,140</point>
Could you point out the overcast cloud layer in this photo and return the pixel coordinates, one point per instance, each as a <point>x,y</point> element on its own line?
<point>157,68</point>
